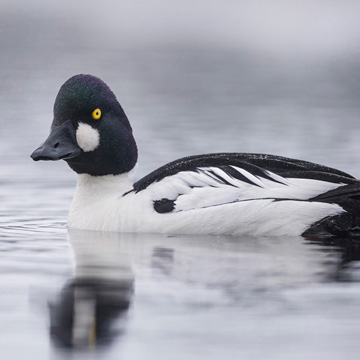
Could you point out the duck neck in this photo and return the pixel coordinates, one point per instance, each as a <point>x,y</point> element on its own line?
<point>90,189</point>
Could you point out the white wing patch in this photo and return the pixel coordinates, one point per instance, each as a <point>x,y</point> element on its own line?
<point>212,186</point>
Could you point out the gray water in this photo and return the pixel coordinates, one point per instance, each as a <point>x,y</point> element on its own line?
<point>189,85</point>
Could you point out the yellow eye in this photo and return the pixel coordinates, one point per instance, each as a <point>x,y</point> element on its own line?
<point>96,114</point>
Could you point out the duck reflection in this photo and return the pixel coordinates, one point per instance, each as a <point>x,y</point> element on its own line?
<point>162,260</point>
<point>191,272</point>
<point>347,250</point>
<point>91,308</point>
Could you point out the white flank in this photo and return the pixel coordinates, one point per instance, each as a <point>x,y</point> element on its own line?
<point>87,137</point>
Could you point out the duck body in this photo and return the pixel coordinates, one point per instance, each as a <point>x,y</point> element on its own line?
<point>219,194</point>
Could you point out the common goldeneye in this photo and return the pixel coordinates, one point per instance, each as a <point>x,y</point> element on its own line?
<point>226,193</point>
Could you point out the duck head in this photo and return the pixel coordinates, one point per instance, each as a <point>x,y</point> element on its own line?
<point>90,130</point>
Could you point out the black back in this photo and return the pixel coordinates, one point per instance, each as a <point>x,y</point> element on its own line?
<point>257,164</point>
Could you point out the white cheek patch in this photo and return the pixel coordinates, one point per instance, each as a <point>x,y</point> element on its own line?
<point>87,137</point>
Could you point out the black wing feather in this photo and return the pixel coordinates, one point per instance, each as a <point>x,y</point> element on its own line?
<point>257,164</point>
<point>340,194</point>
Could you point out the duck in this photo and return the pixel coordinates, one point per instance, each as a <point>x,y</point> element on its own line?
<point>233,194</point>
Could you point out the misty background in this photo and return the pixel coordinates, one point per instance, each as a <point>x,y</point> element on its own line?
<point>280,77</point>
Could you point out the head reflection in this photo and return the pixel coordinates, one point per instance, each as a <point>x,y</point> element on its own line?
<point>91,308</point>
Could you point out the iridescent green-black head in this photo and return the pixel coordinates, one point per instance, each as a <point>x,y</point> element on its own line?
<point>90,130</point>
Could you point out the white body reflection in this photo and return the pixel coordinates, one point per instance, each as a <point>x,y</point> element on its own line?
<point>89,306</point>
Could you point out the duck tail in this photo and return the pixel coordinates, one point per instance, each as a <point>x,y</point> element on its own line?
<point>345,224</point>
